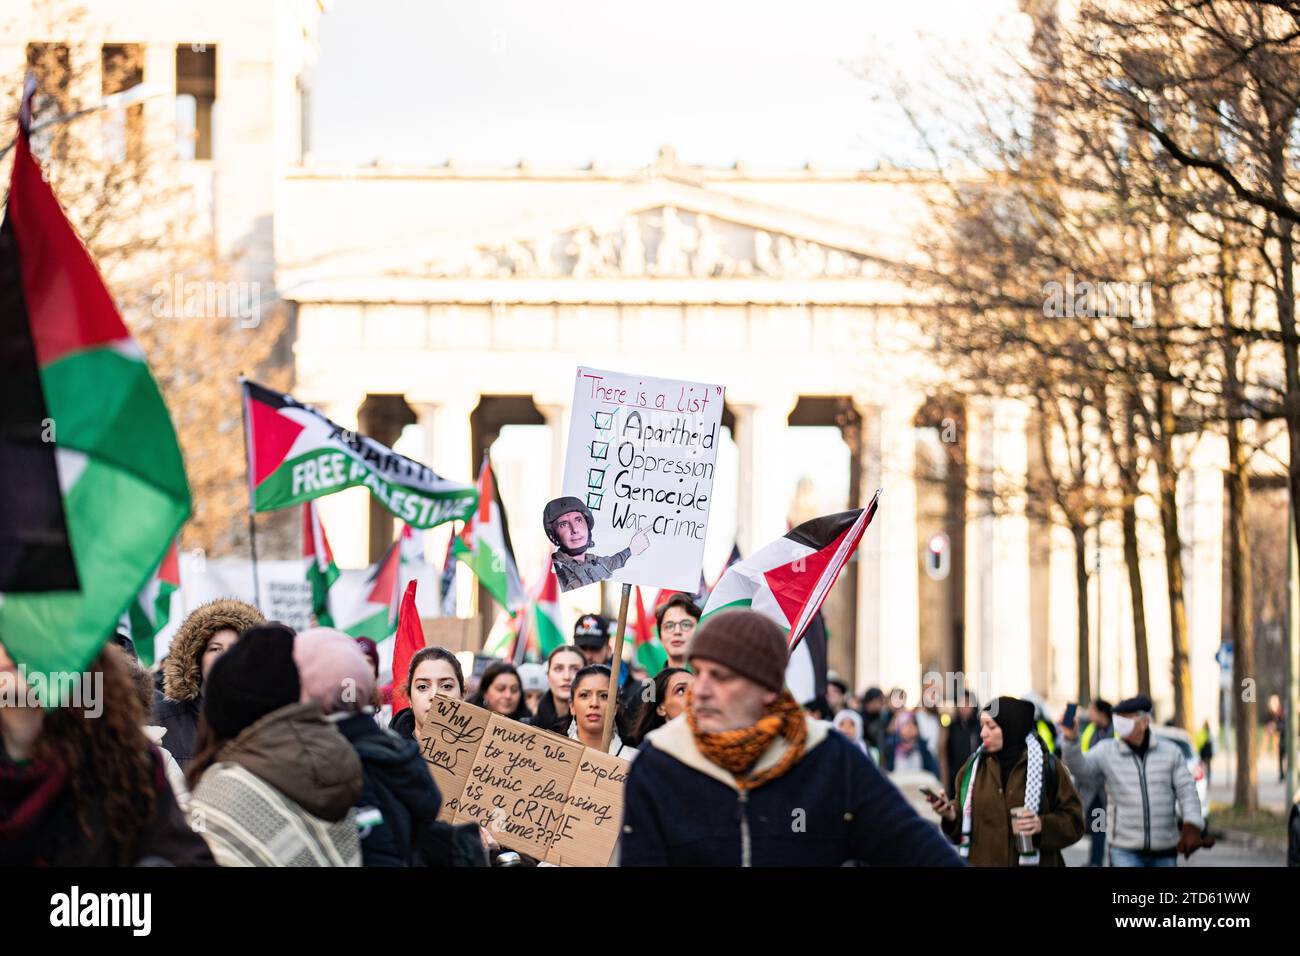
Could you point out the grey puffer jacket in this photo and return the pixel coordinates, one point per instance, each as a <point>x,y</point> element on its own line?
<point>1145,793</point>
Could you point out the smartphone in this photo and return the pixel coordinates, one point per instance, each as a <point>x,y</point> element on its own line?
<point>1070,711</point>
<point>930,793</point>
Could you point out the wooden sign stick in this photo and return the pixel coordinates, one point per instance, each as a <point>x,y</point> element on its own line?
<point>614,669</point>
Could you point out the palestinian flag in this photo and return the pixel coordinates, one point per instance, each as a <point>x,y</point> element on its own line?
<point>789,579</point>
<point>650,653</point>
<point>541,627</point>
<point>296,454</point>
<point>322,572</point>
<point>548,627</point>
<point>376,618</point>
<point>484,545</point>
<point>447,583</point>
<point>92,486</point>
<point>152,608</point>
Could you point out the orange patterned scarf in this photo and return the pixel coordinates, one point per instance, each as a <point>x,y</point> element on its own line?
<point>738,750</point>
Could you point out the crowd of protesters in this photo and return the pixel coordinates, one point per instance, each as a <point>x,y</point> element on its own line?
<point>253,745</point>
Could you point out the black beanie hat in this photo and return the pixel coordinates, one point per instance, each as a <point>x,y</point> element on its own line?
<point>250,680</point>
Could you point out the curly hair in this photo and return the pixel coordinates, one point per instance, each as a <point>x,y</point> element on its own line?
<point>108,759</point>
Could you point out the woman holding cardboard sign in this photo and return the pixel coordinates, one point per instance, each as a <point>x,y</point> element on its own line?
<point>590,698</point>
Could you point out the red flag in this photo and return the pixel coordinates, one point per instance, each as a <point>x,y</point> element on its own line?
<point>410,638</point>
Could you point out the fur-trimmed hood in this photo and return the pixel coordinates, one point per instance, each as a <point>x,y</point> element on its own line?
<point>182,674</point>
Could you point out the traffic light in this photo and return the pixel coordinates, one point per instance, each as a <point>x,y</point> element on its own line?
<point>938,556</point>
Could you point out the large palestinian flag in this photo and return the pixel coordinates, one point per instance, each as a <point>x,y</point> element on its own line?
<point>152,608</point>
<point>484,545</point>
<point>322,572</point>
<point>789,579</point>
<point>296,454</point>
<point>92,487</point>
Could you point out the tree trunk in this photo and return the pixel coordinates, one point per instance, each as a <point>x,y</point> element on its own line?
<point>1244,711</point>
<point>1245,792</point>
<point>1168,478</point>
<point>1081,596</point>
<point>1132,560</point>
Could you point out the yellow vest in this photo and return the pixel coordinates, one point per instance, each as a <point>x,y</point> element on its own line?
<point>1085,741</point>
<point>1049,738</point>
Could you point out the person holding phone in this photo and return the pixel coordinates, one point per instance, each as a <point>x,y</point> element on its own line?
<point>1014,804</point>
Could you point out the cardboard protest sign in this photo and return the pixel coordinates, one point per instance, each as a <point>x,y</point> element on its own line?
<point>639,474</point>
<point>539,793</point>
<point>595,809</point>
<point>449,741</point>
<point>453,633</point>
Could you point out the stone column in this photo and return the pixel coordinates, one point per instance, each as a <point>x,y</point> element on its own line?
<point>888,652</point>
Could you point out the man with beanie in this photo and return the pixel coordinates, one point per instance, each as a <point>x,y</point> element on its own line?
<point>399,800</point>
<point>765,785</point>
<point>1147,785</point>
<point>273,783</point>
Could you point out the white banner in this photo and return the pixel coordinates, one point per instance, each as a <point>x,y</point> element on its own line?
<point>641,457</point>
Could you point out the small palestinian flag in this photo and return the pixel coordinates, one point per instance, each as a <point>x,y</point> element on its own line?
<point>92,486</point>
<point>376,618</point>
<point>789,579</point>
<point>153,606</point>
<point>296,454</point>
<point>447,583</point>
<point>650,652</point>
<point>484,545</point>
<point>322,572</point>
<point>547,623</point>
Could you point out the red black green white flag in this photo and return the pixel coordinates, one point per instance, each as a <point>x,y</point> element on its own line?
<point>92,485</point>
<point>789,579</point>
<point>485,546</point>
<point>296,454</point>
<point>322,572</point>
<point>152,608</point>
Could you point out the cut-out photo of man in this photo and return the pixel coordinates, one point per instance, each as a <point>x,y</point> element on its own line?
<point>568,523</point>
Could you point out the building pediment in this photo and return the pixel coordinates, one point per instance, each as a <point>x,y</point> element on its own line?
<point>663,241</point>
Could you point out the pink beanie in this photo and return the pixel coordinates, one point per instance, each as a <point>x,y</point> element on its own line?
<point>333,670</point>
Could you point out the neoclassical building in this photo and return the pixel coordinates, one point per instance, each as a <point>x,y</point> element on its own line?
<point>460,301</point>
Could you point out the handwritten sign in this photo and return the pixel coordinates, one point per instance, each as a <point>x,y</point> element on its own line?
<point>642,453</point>
<point>449,742</point>
<point>539,793</point>
<point>594,808</point>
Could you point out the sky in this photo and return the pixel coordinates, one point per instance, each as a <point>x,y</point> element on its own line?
<point>564,82</point>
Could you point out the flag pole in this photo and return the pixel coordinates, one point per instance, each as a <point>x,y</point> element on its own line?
<point>248,468</point>
<point>615,667</point>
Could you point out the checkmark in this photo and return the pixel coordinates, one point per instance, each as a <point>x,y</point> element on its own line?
<point>604,420</point>
<point>593,500</point>
<point>595,477</point>
<point>600,450</point>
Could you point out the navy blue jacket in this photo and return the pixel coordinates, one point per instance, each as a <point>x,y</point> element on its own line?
<point>831,808</point>
<point>398,784</point>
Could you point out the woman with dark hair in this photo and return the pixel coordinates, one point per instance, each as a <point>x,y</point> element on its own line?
<point>273,782</point>
<point>590,698</point>
<point>432,671</point>
<point>1015,806</point>
<point>669,700</point>
<point>82,786</point>
<point>502,692</point>
<point>553,709</point>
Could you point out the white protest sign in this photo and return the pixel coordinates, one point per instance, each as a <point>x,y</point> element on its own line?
<point>641,458</point>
